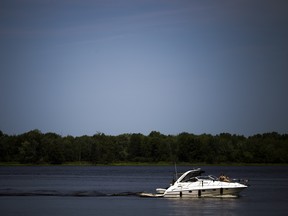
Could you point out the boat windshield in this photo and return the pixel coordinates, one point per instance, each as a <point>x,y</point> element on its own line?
<point>203,178</point>
<point>210,177</point>
<point>190,177</point>
<point>213,177</point>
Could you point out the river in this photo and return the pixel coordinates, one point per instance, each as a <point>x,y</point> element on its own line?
<point>111,190</point>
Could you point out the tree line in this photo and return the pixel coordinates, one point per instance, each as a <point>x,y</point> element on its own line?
<point>35,147</point>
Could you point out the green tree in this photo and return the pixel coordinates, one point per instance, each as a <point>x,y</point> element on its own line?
<point>28,152</point>
<point>135,152</point>
<point>30,149</point>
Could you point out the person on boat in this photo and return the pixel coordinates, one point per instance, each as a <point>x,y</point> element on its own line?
<point>224,178</point>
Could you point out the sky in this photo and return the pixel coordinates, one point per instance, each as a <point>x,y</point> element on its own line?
<point>80,67</point>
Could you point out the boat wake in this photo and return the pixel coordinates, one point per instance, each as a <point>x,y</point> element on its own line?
<point>82,193</point>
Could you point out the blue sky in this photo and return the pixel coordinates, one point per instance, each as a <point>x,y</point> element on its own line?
<point>132,66</point>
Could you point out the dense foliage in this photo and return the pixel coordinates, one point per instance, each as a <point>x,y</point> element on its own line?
<point>37,148</point>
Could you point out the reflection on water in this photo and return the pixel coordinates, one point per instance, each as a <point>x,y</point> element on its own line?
<point>205,206</point>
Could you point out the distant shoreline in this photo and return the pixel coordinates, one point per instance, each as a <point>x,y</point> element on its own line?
<point>226,149</point>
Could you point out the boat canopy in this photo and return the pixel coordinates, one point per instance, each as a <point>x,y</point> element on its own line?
<point>189,175</point>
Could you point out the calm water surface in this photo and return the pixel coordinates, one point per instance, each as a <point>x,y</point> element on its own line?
<point>106,190</point>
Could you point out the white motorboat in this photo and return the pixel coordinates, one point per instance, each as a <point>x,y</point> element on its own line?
<point>193,184</point>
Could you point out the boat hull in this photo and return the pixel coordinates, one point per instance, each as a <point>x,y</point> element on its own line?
<point>219,192</point>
